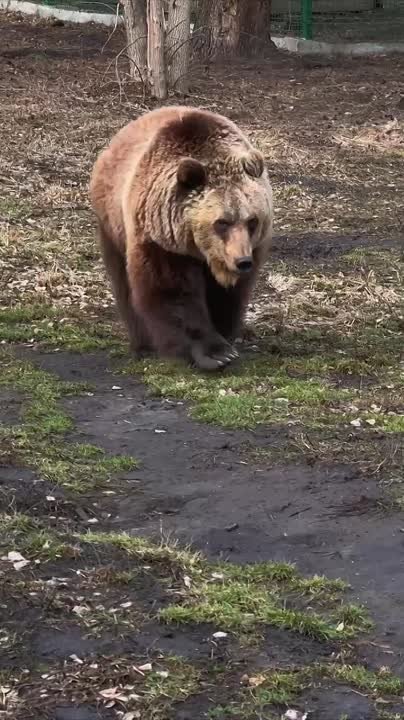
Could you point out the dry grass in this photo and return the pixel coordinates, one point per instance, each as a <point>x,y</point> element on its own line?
<point>333,138</point>
<point>364,287</point>
<point>332,135</point>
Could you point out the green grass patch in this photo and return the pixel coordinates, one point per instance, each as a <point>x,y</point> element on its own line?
<point>385,262</point>
<point>180,682</point>
<point>365,348</point>
<point>246,599</point>
<point>273,688</point>
<point>42,413</point>
<point>314,374</point>
<point>11,210</point>
<point>146,551</point>
<point>257,391</point>
<point>375,684</point>
<point>39,442</point>
<point>242,600</point>
<point>76,467</point>
<point>21,533</point>
<point>52,328</point>
<point>246,607</point>
<point>391,423</point>
<point>369,449</point>
<point>274,390</point>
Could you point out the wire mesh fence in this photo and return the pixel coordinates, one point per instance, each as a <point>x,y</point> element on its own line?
<point>342,21</point>
<point>286,18</point>
<point>371,22</point>
<point>350,21</point>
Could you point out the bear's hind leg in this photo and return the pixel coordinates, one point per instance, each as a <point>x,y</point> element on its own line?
<point>116,268</point>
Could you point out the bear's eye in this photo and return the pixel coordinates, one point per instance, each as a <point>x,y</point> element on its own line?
<point>222,225</point>
<point>252,224</point>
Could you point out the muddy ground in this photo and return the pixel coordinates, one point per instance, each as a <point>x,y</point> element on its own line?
<point>99,626</point>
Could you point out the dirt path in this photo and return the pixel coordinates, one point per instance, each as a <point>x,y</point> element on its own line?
<point>194,483</point>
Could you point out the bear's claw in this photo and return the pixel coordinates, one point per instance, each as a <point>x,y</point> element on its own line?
<point>214,360</point>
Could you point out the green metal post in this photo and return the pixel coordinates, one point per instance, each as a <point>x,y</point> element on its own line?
<point>306,10</point>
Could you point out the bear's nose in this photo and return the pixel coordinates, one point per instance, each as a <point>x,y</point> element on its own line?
<point>244,264</point>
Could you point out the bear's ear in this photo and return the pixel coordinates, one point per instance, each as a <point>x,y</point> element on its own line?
<point>191,174</point>
<point>253,164</point>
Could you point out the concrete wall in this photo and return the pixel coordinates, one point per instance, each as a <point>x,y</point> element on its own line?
<point>47,11</point>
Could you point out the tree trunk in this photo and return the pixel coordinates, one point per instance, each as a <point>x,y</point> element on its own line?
<point>229,35</point>
<point>135,18</point>
<point>233,27</point>
<point>255,38</point>
<point>178,44</point>
<point>155,50</point>
<point>217,31</point>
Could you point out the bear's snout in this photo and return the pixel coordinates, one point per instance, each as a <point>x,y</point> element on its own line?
<point>244,264</point>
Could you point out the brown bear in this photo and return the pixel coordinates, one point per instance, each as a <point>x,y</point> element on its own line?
<point>184,207</point>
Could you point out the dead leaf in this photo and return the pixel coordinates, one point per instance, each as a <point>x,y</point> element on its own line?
<point>147,667</point>
<point>217,576</point>
<point>21,564</point>
<point>18,560</point>
<point>356,423</point>
<point>76,659</point>
<point>13,556</point>
<point>80,610</point>
<point>109,693</point>
<point>256,681</point>
<point>294,715</point>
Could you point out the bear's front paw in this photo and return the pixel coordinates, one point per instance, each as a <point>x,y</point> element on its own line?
<point>213,356</point>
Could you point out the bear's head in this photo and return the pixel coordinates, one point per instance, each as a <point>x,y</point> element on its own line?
<point>229,216</point>
<point>220,197</point>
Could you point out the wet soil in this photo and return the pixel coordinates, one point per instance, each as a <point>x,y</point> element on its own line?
<point>195,483</point>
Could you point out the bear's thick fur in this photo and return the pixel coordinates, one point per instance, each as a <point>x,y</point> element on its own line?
<point>184,207</point>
